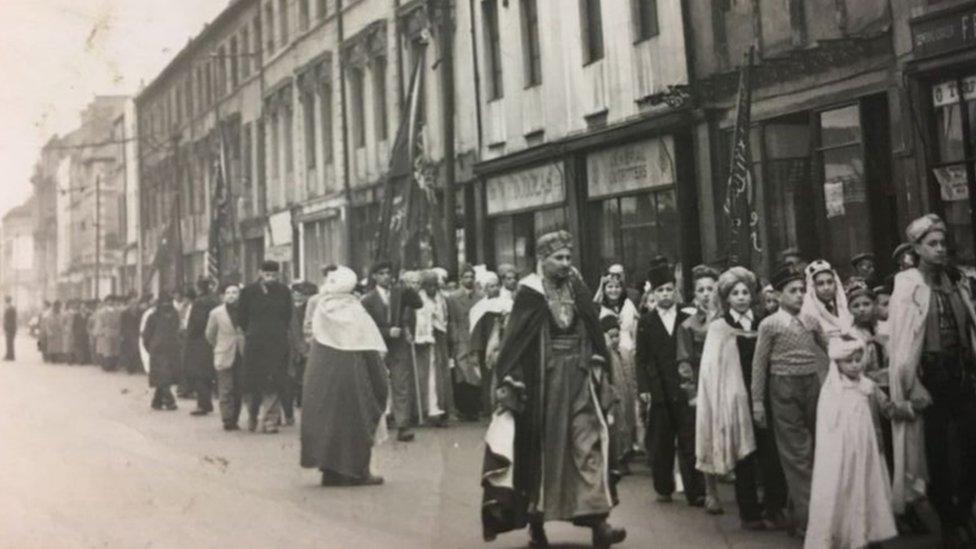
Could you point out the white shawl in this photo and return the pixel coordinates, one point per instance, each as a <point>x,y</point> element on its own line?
<point>723,421</point>
<point>833,325</point>
<point>340,320</point>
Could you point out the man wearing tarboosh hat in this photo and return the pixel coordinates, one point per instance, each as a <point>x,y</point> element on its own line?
<point>671,419</point>
<point>264,314</point>
<point>547,448</point>
<point>931,352</point>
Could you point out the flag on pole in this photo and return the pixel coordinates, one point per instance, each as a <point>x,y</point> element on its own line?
<point>409,212</point>
<point>218,215</point>
<point>738,207</point>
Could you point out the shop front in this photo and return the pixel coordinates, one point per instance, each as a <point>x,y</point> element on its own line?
<point>323,242</point>
<point>942,78</point>
<point>521,206</point>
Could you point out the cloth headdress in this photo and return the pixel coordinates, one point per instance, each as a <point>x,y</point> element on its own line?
<point>834,323</point>
<point>901,250</point>
<point>843,348</point>
<point>551,243</point>
<point>340,320</point>
<point>922,226</point>
<point>857,287</point>
<point>728,280</point>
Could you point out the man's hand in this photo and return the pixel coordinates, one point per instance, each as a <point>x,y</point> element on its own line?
<point>759,415</point>
<point>395,332</point>
<point>685,371</point>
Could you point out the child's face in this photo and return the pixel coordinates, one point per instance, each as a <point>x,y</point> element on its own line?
<point>862,309</point>
<point>613,335</point>
<point>791,297</point>
<point>740,298</point>
<point>881,306</point>
<point>825,286</point>
<point>853,366</point>
<point>771,302</point>
<point>664,295</point>
<point>704,289</point>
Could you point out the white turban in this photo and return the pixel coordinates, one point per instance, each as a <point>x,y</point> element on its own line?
<point>340,281</point>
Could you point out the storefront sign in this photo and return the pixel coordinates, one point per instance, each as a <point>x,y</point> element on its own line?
<point>526,189</point>
<point>947,93</point>
<point>945,32</point>
<point>282,254</point>
<point>953,183</point>
<point>280,228</point>
<point>632,167</point>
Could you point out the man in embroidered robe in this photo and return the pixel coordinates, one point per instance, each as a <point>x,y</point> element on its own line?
<point>548,443</point>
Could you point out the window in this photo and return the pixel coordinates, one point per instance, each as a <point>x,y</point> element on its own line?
<point>515,235</point>
<point>530,43</point>
<point>283,20</point>
<point>247,180</point>
<point>955,143</point>
<point>275,151</point>
<point>256,49</point>
<point>303,15</point>
<point>288,137</point>
<point>323,8</point>
<point>845,195</point>
<point>269,29</point>
<point>358,107</point>
<point>591,22</point>
<point>379,98</point>
<point>633,229</point>
<point>234,63</point>
<point>246,54</point>
<point>308,115</point>
<point>208,68</point>
<point>327,125</point>
<point>221,71</point>
<point>645,19</point>
<point>188,95</point>
<point>493,49</point>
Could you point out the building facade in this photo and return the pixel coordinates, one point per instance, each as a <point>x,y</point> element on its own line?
<point>45,192</point>
<point>17,259</point>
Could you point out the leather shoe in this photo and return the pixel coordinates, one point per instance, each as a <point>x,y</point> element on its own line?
<point>664,498</point>
<point>405,435</point>
<point>371,480</point>
<point>605,535</point>
<point>199,413</point>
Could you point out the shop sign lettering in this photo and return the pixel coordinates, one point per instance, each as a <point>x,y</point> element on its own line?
<point>947,93</point>
<point>526,189</point>
<point>945,33</point>
<point>635,166</point>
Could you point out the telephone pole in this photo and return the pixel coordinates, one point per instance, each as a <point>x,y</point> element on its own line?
<point>98,235</point>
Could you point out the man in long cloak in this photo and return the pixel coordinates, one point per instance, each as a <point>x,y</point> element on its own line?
<point>199,355</point>
<point>547,455</point>
<point>933,335</point>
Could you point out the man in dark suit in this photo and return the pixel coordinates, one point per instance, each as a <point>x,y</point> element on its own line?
<point>9,326</point>
<point>264,315</point>
<point>391,306</point>
<point>671,418</point>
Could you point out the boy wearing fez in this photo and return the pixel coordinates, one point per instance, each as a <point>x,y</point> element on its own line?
<point>932,367</point>
<point>671,419</point>
<point>790,360</point>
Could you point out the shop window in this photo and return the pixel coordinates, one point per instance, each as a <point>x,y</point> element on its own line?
<point>645,19</point>
<point>634,229</point>
<point>379,98</point>
<point>955,143</point>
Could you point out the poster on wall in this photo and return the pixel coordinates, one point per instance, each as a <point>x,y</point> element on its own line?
<point>526,189</point>
<point>834,199</point>
<point>953,183</point>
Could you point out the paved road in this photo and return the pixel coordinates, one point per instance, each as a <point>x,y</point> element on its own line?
<point>85,463</point>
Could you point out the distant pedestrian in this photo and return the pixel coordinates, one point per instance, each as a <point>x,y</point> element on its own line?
<point>265,315</point>
<point>42,340</point>
<point>199,355</point>
<point>227,341</point>
<point>161,337</point>
<point>467,374</point>
<point>291,398</point>
<point>108,334</point>
<point>9,326</point>
<point>79,330</point>
<point>68,317</point>
<point>345,387</point>
<point>430,341</point>
<point>52,328</point>
<point>129,358</point>
<point>183,302</point>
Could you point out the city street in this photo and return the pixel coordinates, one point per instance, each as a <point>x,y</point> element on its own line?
<point>85,463</point>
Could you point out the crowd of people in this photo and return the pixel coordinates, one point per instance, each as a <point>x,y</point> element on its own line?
<point>833,407</point>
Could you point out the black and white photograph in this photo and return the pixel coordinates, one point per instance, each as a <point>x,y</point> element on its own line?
<point>460,274</point>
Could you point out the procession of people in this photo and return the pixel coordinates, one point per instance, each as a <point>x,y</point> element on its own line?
<point>835,408</point>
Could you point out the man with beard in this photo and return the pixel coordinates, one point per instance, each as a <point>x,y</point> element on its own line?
<point>547,446</point>
<point>264,315</point>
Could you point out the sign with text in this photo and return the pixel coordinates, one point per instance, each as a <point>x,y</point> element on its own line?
<point>526,189</point>
<point>945,32</point>
<point>632,167</point>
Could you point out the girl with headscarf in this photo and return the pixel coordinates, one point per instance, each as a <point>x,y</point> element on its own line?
<point>345,386</point>
<point>726,439</point>
<point>850,496</point>
<point>825,300</point>
<point>613,301</point>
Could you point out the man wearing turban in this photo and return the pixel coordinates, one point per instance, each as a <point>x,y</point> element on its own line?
<point>547,455</point>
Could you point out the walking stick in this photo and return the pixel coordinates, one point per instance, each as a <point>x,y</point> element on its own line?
<point>416,383</point>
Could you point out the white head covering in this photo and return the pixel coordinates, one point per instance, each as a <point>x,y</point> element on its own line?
<point>486,277</point>
<point>833,324</point>
<point>340,320</point>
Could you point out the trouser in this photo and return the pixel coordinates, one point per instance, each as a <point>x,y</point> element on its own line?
<point>761,466</point>
<point>403,388</point>
<point>10,344</point>
<point>950,434</point>
<point>793,407</point>
<point>229,395</point>
<point>671,423</point>
<point>204,389</point>
<point>265,409</point>
<point>163,396</point>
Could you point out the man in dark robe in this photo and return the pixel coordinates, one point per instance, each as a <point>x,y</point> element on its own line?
<point>391,306</point>
<point>161,336</point>
<point>671,419</point>
<point>265,315</point>
<point>199,355</point>
<point>129,358</point>
<point>547,455</point>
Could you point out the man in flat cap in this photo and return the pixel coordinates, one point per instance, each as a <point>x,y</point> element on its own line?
<point>933,374</point>
<point>546,457</point>
<point>671,419</point>
<point>265,310</point>
<point>865,267</point>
